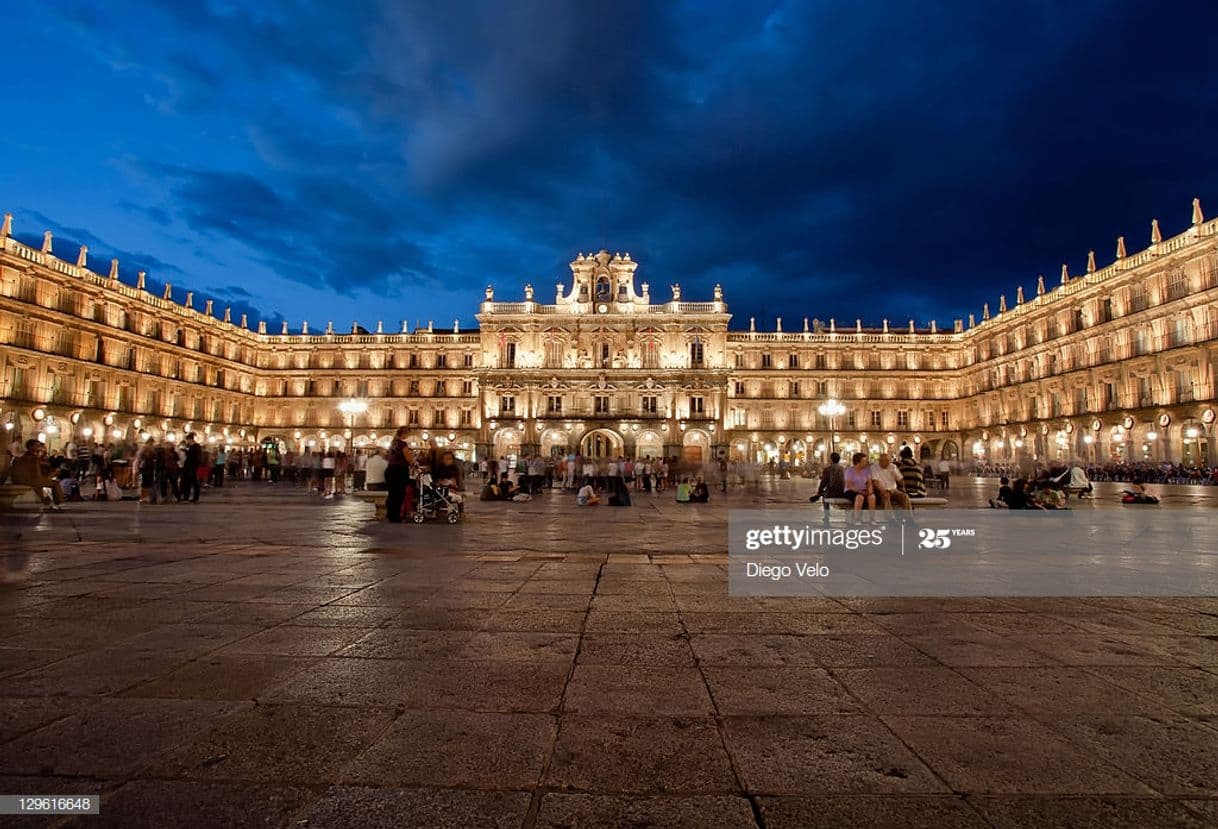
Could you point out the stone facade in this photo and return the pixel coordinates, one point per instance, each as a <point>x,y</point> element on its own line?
<point>1116,363</point>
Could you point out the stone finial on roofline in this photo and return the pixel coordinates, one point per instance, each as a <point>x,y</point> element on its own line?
<point>985,311</point>
<point>284,328</point>
<point>46,241</point>
<point>304,328</point>
<point>1121,247</point>
<point>1040,285</point>
<point>82,258</point>
<point>1198,216</point>
<point>1156,235</point>
<point>140,278</point>
<point>1002,304</point>
<point>1019,295</point>
<point>1065,274</point>
<point>228,314</point>
<point>1090,261</point>
<point>114,269</point>
<point>168,293</point>
<point>190,300</point>
<point>262,326</point>
<point>6,229</point>
<point>245,321</point>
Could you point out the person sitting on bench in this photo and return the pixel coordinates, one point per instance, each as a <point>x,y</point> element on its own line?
<point>700,494</point>
<point>860,491</point>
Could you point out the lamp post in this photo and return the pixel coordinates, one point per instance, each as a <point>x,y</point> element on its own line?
<point>831,409</point>
<point>352,408</point>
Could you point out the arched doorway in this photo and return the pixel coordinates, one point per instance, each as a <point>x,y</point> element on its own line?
<point>949,450</point>
<point>507,446</point>
<point>1194,443</point>
<point>554,443</point>
<point>601,443</point>
<point>648,445</point>
<point>695,447</point>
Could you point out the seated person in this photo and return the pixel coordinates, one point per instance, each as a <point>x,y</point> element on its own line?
<point>887,482</point>
<point>32,470</point>
<point>859,489</point>
<point>700,494</point>
<point>587,497</point>
<point>1019,498</point>
<point>913,479</point>
<point>620,497</point>
<point>1003,499</point>
<point>683,491</point>
<point>503,489</point>
<point>69,485</point>
<point>1138,494</point>
<point>447,472</point>
<point>1049,498</point>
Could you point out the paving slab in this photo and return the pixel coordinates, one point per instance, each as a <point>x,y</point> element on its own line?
<point>458,749</point>
<point>588,811</point>
<point>365,807</point>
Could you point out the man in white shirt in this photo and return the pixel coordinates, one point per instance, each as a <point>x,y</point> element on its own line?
<point>888,483</point>
<point>587,497</point>
<point>945,472</point>
<point>374,472</point>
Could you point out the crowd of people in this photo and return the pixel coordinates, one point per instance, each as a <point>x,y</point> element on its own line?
<point>1123,472</point>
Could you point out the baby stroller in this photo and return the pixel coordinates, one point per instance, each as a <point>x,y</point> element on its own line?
<point>436,500</point>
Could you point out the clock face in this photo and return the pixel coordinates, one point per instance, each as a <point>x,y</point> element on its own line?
<point>1207,416</point>
<point>602,308</point>
<point>1164,420</point>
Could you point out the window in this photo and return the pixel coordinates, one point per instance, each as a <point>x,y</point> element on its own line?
<point>767,361</point>
<point>739,388</point>
<point>467,387</point>
<point>943,420</point>
<point>468,361</point>
<point>1177,288</point>
<point>739,359</point>
<point>696,356</point>
<point>651,354</point>
<point>697,406</point>
<point>852,419</point>
<point>877,418</point>
<point>441,361</point>
<point>792,361</point>
<point>903,418</point>
<point>793,389</point>
<point>439,418</point>
<point>554,353</point>
<point>361,388</point>
<point>650,404</point>
<point>507,355</point>
<point>414,388</point>
<point>820,361</point>
<point>739,418</point>
<point>413,362</point>
<point>604,291</point>
<point>601,404</point>
<point>606,355</point>
<point>507,405</point>
<point>467,417</point>
<point>412,418</point>
<point>554,404</point>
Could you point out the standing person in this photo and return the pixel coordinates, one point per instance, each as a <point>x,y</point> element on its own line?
<point>397,475</point>
<point>361,470</point>
<point>723,475</point>
<point>191,463</point>
<point>328,464</point>
<point>217,470</point>
<point>145,466</point>
<point>374,472</point>
<point>945,472</point>
<point>273,462</point>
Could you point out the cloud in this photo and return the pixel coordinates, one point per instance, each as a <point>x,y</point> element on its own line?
<point>911,159</point>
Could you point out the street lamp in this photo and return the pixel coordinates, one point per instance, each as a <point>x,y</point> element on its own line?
<point>831,409</point>
<point>352,408</point>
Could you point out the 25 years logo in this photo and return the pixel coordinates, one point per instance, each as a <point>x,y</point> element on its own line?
<point>931,539</point>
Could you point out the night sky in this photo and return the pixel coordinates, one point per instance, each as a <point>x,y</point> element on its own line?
<point>365,161</point>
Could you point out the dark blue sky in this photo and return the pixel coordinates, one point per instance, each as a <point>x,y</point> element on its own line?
<point>365,161</point>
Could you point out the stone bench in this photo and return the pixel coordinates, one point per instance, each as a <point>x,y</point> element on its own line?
<point>377,498</point>
<point>918,503</point>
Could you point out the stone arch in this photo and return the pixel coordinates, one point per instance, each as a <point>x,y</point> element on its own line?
<point>601,443</point>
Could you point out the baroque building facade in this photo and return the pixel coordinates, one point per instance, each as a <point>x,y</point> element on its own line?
<point>1116,364</point>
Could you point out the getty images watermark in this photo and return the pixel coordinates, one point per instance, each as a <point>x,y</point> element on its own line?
<point>1080,552</point>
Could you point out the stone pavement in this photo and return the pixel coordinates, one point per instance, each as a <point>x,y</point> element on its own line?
<point>268,659</point>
